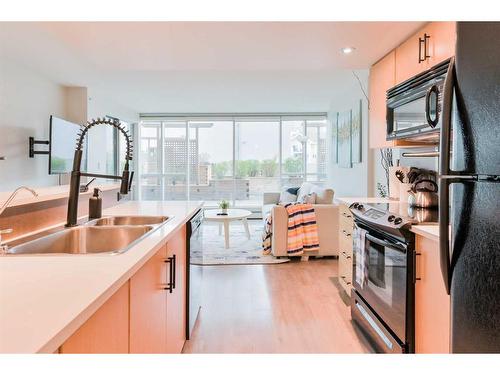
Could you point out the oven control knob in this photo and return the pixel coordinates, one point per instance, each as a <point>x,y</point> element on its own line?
<point>355,205</point>
<point>360,206</point>
<point>398,221</point>
<point>391,218</point>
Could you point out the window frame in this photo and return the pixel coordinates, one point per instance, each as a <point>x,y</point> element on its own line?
<point>162,119</point>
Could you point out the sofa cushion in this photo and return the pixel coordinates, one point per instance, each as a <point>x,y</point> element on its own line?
<point>323,195</point>
<point>305,189</point>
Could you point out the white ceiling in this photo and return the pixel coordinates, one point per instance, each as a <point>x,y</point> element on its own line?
<point>154,61</point>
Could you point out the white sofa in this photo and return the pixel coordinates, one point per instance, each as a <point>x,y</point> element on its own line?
<point>327,218</point>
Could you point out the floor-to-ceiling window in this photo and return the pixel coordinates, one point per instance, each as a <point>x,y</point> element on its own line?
<point>256,159</point>
<point>212,177</point>
<point>236,158</point>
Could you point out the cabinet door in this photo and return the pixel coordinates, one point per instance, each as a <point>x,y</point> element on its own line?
<point>432,303</point>
<point>440,46</point>
<point>148,306</point>
<point>442,41</point>
<point>106,331</point>
<point>381,79</point>
<point>176,301</point>
<point>407,58</point>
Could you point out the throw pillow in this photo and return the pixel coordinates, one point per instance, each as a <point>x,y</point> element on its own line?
<point>288,195</point>
<point>309,198</point>
<point>293,190</point>
<point>303,191</point>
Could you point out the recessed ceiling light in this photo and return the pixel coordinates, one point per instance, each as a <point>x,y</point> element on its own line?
<point>347,50</point>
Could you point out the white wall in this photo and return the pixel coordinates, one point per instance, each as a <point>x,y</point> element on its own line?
<point>358,180</point>
<point>101,104</point>
<point>27,99</point>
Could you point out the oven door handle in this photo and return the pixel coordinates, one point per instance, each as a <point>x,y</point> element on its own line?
<point>385,243</point>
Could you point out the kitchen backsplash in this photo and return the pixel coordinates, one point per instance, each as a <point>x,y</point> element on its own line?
<point>426,163</point>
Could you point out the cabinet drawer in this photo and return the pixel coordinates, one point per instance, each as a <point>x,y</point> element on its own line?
<point>345,212</point>
<point>346,224</point>
<point>345,243</point>
<point>345,273</point>
<point>346,253</point>
<point>345,233</point>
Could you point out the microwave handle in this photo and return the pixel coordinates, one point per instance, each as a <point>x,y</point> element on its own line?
<point>433,89</point>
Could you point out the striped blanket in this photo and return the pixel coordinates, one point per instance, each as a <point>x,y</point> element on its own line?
<point>302,230</point>
<point>267,235</point>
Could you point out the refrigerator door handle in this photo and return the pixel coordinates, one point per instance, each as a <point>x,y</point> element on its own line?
<point>444,244</point>
<point>445,137</point>
<point>444,172</point>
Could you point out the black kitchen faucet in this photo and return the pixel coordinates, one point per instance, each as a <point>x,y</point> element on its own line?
<point>76,174</point>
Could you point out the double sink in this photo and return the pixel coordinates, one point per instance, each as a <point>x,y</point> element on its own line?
<point>110,235</point>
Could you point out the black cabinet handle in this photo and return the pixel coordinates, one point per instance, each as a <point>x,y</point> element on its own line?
<point>423,42</point>
<point>174,268</point>
<point>415,278</point>
<point>170,284</point>
<point>420,50</point>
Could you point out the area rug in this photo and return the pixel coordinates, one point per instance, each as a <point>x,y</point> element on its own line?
<point>241,251</point>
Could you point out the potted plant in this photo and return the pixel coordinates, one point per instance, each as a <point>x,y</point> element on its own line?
<point>224,205</point>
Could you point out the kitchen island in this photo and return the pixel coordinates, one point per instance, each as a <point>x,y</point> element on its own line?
<point>45,299</point>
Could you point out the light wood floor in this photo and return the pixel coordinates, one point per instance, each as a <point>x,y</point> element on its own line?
<point>284,308</point>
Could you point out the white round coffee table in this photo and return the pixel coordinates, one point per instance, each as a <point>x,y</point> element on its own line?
<point>232,215</point>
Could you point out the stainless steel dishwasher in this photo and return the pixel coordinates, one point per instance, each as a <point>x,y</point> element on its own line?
<point>194,274</point>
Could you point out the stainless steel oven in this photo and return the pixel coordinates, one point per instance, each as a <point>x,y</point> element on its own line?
<point>414,106</point>
<point>382,300</point>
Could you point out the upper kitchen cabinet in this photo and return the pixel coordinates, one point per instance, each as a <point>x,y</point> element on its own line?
<point>442,41</point>
<point>381,79</point>
<point>432,44</point>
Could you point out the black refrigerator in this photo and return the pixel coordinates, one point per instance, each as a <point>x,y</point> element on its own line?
<point>470,188</point>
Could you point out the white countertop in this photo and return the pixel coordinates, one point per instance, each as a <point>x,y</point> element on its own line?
<point>45,299</point>
<point>351,200</point>
<point>429,231</point>
<point>47,193</point>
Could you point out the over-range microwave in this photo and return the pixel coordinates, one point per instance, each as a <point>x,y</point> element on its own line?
<point>414,106</point>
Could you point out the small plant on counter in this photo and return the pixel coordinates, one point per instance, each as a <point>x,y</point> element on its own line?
<point>224,205</point>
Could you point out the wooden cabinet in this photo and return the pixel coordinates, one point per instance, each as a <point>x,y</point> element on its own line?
<point>381,79</point>
<point>346,224</point>
<point>106,331</point>
<point>442,41</point>
<point>148,306</point>
<point>176,301</point>
<point>158,315</point>
<point>143,316</point>
<point>399,65</point>
<point>439,45</point>
<point>432,303</point>
<point>407,58</point>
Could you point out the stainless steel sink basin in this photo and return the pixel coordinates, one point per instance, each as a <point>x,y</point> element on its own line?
<point>84,240</point>
<point>128,220</point>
